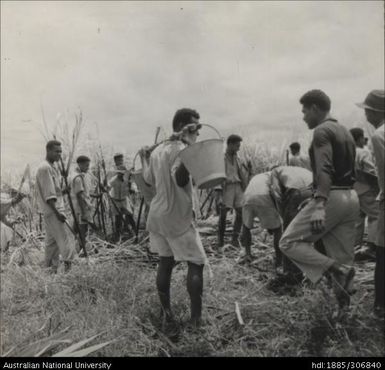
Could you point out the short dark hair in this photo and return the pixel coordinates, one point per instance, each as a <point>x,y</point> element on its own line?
<point>318,98</point>
<point>51,144</point>
<point>117,156</point>
<point>82,159</point>
<point>295,146</point>
<point>232,139</point>
<point>357,133</point>
<point>182,117</point>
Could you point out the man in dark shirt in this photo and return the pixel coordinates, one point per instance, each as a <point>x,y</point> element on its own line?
<point>332,213</point>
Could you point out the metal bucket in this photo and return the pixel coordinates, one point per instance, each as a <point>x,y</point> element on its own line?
<point>205,161</point>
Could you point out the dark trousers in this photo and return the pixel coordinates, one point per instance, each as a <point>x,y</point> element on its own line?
<point>379,277</point>
<point>222,224</point>
<point>124,220</point>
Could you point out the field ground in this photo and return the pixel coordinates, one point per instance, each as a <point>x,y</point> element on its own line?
<point>113,296</point>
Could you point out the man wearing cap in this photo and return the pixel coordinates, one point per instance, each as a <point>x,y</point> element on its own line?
<point>81,196</point>
<point>297,159</point>
<point>170,220</point>
<point>366,186</point>
<point>230,194</point>
<point>333,211</point>
<point>374,106</point>
<point>58,239</point>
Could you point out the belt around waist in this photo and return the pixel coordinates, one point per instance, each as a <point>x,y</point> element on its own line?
<point>232,182</point>
<point>341,188</point>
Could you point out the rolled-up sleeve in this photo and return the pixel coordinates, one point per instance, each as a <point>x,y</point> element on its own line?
<point>47,185</point>
<point>366,163</point>
<point>323,158</point>
<point>78,185</point>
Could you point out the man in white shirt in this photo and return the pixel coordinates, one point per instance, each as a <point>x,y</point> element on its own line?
<point>170,220</point>
<point>366,186</point>
<point>58,240</point>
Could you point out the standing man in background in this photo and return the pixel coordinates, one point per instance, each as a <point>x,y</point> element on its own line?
<point>274,197</point>
<point>374,106</point>
<point>119,192</point>
<point>58,240</point>
<point>297,159</point>
<point>81,196</point>
<point>230,194</point>
<point>366,186</point>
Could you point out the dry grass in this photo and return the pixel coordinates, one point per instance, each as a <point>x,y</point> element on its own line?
<point>113,295</point>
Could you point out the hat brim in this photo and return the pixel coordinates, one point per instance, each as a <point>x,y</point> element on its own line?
<point>365,106</point>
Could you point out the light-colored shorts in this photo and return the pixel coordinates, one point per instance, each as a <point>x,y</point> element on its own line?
<point>268,216</point>
<point>233,195</point>
<point>186,247</point>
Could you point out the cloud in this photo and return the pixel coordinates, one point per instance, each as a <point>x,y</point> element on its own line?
<point>130,65</point>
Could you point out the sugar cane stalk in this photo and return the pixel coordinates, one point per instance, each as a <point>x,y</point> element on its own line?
<point>76,221</point>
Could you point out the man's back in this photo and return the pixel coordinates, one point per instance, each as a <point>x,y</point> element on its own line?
<point>299,160</point>
<point>332,155</point>
<point>286,177</point>
<point>171,208</point>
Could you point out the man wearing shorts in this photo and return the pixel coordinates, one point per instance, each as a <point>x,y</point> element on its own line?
<point>170,219</point>
<point>230,194</point>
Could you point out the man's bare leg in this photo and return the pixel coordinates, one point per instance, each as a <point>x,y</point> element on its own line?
<point>221,226</point>
<point>246,241</point>
<point>163,280</point>
<point>195,290</point>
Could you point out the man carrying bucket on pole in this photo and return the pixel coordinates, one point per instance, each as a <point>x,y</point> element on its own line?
<point>170,219</point>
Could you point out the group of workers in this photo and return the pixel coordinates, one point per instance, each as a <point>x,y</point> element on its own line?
<point>314,207</point>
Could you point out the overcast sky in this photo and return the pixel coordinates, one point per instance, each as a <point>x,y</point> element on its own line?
<point>130,65</point>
